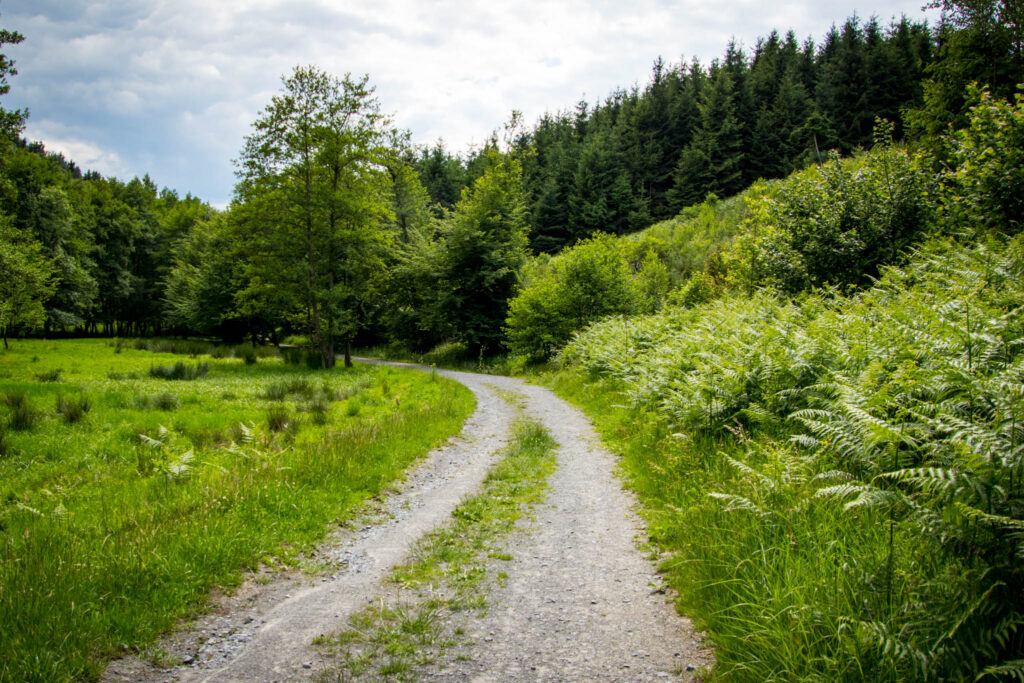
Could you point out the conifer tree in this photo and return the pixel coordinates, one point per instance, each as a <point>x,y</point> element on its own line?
<point>483,247</point>
<point>713,160</point>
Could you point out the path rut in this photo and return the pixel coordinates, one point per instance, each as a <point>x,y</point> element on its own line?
<point>580,603</point>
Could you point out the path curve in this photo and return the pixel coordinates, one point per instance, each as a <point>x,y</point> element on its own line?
<point>580,602</point>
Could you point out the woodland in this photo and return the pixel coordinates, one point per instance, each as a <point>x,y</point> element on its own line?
<point>786,285</point>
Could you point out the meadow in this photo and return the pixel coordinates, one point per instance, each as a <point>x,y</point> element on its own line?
<point>133,482</point>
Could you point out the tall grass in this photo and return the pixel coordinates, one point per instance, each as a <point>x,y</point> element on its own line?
<point>838,479</point>
<point>114,527</point>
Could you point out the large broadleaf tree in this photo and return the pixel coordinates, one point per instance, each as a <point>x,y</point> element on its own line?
<point>312,204</point>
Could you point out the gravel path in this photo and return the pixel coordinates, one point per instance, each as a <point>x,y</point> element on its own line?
<point>580,603</point>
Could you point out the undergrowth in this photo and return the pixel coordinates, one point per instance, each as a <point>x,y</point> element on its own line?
<point>838,479</point>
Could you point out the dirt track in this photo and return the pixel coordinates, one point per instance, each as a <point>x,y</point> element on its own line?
<point>580,603</point>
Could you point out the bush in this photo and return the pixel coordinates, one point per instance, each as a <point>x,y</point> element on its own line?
<point>873,451</point>
<point>276,391</point>
<point>835,224</point>
<point>23,414</point>
<point>312,359</point>
<point>582,284</point>
<point>987,181</point>
<point>699,289</point>
<point>448,353</point>
<point>247,352</point>
<point>165,401</point>
<point>317,408</point>
<point>299,386</point>
<point>279,418</point>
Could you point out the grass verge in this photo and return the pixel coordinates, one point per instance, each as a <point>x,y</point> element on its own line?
<point>126,497</point>
<point>447,574</point>
<point>764,567</point>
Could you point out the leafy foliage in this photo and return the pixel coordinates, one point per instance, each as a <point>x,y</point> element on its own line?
<point>835,224</point>
<point>581,285</point>
<point>986,171</point>
<point>311,211</point>
<point>482,249</point>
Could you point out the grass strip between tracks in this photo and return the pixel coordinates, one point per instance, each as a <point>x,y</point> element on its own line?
<point>448,573</point>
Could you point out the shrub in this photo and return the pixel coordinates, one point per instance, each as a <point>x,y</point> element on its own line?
<point>987,180</point>
<point>14,398</point>
<point>354,405</point>
<point>582,284</point>
<point>299,386</point>
<point>835,224</point>
<point>314,360</point>
<point>165,400</point>
<point>699,289</point>
<point>311,358</point>
<point>317,408</point>
<point>275,391</point>
<point>279,418</point>
<point>247,352</point>
<point>448,353</point>
<point>883,437</point>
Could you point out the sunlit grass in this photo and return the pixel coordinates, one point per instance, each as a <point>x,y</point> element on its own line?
<point>124,497</point>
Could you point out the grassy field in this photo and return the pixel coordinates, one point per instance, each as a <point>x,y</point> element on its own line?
<point>132,482</point>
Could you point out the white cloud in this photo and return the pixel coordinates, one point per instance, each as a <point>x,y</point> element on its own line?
<point>86,154</point>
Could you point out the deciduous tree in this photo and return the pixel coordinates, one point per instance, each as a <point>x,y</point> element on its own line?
<point>312,201</point>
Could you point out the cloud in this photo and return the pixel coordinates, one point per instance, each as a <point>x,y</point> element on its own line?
<point>170,87</point>
<point>87,155</point>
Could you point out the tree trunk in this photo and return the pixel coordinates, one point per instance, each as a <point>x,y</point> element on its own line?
<point>348,353</point>
<point>327,351</point>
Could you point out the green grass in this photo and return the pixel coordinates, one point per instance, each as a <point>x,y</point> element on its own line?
<point>763,567</point>
<point>448,572</point>
<point>124,498</point>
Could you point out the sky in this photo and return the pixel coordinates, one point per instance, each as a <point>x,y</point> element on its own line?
<point>171,87</point>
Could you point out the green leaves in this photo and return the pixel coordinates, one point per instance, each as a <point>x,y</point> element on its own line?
<point>313,205</point>
<point>481,251</point>
<point>987,171</point>
<point>26,280</point>
<point>835,224</point>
